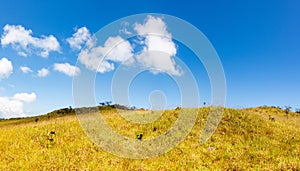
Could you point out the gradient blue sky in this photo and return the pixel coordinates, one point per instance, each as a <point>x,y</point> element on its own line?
<point>257,42</point>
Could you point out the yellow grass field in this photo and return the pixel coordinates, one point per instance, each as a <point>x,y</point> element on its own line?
<point>245,140</point>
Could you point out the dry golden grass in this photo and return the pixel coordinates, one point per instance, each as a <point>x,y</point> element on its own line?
<point>244,140</point>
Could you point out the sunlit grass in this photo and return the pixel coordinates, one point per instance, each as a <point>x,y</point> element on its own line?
<point>245,139</point>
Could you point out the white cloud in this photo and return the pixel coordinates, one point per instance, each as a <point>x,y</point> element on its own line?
<point>100,58</point>
<point>152,25</point>
<point>23,41</point>
<point>25,97</point>
<point>22,54</point>
<point>43,72</point>
<point>124,28</point>
<point>67,69</point>
<point>117,49</point>
<point>158,62</point>
<point>79,38</point>
<point>157,54</point>
<point>14,106</point>
<point>6,68</point>
<point>25,69</point>
<point>11,108</point>
<point>160,49</point>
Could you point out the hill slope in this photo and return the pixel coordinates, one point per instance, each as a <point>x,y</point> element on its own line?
<point>244,139</point>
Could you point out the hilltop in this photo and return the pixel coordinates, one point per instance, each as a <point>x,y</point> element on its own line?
<point>262,138</point>
<point>61,113</point>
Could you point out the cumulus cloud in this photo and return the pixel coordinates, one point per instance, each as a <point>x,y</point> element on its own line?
<point>158,62</point>
<point>11,108</point>
<point>14,106</point>
<point>159,50</point>
<point>155,41</point>
<point>6,68</point>
<point>100,58</point>
<point>23,41</point>
<point>25,69</point>
<point>67,69</point>
<point>43,72</point>
<point>152,25</point>
<point>25,97</point>
<point>80,37</point>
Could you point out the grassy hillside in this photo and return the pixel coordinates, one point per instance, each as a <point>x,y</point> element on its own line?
<point>245,139</point>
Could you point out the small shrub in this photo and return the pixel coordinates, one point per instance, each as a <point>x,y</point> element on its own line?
<point>178,108</point>
<point>154,129</point>
<point>139,136</point>
<point>271,118</point>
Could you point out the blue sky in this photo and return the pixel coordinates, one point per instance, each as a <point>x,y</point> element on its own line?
<point>257,42</point>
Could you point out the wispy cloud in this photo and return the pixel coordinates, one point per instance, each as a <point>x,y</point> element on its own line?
<point>25,69</point>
